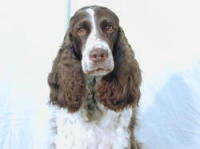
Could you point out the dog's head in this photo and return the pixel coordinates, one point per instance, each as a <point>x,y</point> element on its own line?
<point>95,45</point>
<point>93,32</point>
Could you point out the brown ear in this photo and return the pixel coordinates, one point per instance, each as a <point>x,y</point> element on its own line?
<point>120,88</point>
<point>66,80</point>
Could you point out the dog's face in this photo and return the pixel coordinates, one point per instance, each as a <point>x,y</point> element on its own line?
<point>94,33</point>
<point>96,45</point>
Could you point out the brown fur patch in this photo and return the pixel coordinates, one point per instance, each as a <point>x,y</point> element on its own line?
<point>66,81</point>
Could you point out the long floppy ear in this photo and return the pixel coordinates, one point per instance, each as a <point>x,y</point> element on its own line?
<point>120,88</point>
<point>66,80</point>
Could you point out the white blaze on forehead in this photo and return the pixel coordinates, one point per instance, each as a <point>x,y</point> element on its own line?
<point>92,18</point>
<point>94,40</point>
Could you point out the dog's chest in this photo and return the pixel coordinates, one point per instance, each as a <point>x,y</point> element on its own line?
<point>93,126</point>
<point>109,132</point>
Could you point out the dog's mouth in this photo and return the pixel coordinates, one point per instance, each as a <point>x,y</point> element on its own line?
<point>98,72</point>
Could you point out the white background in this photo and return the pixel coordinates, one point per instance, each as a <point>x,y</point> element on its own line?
<point>165,36</point>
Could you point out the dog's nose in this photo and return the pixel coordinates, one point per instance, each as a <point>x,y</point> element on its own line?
<point>98,55</point>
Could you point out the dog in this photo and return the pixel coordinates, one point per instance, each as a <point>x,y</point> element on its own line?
<point>95,84</point>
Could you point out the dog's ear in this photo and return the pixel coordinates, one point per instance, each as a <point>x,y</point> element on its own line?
<point>66,79</point>
<point>120,88</point>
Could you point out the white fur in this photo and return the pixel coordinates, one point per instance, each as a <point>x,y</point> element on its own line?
<point>109,132</point>
<point>93,42</point>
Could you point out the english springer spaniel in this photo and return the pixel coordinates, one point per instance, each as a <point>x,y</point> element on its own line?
<point>94,83</point>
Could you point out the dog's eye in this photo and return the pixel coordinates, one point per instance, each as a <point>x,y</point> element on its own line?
<point>81,31</point>
<point>108,28</point>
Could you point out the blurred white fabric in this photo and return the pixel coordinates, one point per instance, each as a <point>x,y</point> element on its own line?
<point>165,36</point>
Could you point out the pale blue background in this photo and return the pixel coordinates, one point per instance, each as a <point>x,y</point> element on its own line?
<point>165,36</point>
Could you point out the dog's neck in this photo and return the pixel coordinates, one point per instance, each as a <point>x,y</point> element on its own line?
<point>91,110</point>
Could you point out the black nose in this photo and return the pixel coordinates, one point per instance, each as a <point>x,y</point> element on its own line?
<point>98,55</point>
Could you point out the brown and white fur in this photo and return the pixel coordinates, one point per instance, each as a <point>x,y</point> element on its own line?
<point>94,84</point>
